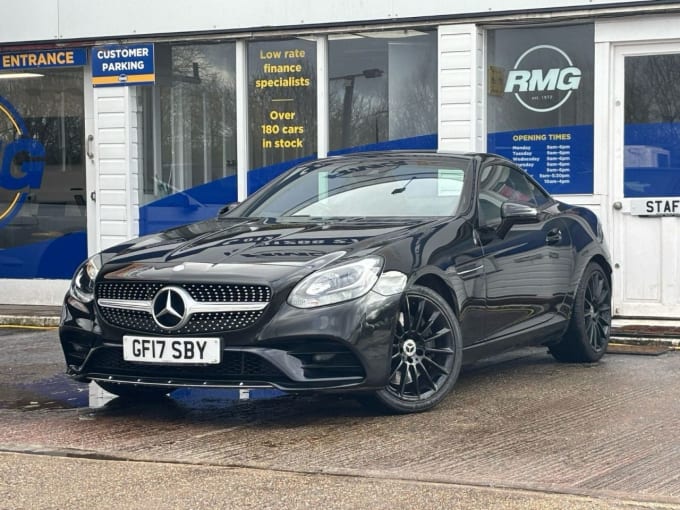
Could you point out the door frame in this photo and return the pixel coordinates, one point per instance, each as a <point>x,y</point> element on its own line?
<point>91,174</point>
<point>618,205</point>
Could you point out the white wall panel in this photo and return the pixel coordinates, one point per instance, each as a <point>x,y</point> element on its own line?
<point>460,98</point>
<point>33,292</point>
<point>648,28</point>
<point>47,20</point>
<point>113,212</point>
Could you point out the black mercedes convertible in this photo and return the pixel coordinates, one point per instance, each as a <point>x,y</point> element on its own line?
<point>374,273</point>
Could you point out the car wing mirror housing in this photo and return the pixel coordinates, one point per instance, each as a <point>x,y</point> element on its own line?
<point>516,213</point>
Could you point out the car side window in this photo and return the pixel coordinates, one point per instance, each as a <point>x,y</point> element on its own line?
<point>499,183</point>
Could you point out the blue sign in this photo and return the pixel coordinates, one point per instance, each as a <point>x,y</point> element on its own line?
<point>540,110</point>
<point>120,65</point>
<point>24,60</point>
<point>559,158</point>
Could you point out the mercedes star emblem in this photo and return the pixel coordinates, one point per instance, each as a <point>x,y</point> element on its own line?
<point>169,307</point>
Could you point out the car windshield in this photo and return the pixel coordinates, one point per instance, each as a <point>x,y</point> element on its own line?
<point>365,188</point>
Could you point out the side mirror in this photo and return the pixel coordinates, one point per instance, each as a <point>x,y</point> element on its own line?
<point>228,208</point>
<point>515,213</point>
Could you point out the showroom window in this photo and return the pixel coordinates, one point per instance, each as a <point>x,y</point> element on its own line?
<point>382,95</point>
<point>43,219</point>
<point>540,103</point>
<point>382,86</point>
<point>189,119</point>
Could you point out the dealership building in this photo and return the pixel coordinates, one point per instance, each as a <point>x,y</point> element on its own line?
<point>118,122</point>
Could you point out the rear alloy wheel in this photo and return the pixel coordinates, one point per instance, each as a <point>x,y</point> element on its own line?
<point>132,392</point>
<point>426,354</point>
<point>587,336</point>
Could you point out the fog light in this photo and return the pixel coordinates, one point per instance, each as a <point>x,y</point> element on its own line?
<point>321,358</point>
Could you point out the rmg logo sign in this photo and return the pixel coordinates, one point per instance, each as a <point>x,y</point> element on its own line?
<point>541,90</point>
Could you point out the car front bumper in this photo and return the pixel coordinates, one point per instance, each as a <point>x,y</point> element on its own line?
<point>337,347</point>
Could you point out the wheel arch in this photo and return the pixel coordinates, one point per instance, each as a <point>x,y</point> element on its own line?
<point>438,285</point>
<point>602,261</point>
<point>599,259</point>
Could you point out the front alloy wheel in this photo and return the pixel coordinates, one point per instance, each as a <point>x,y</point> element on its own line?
<point>426,353</point>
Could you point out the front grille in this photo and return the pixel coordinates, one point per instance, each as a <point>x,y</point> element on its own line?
<point>200,322</point>
<point>234,366</point>
<point>215,322</point>
<point>203,292</point>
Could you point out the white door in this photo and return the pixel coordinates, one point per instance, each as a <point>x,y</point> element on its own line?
<point>646,180</point>
<point>90,167</point>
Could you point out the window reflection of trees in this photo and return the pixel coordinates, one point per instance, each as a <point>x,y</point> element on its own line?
<point>198,112</point>
<point>653,97</point>
<point>398,102</point>
<point>52,107</point>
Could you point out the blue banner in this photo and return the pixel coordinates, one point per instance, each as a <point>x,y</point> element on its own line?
<point>559,158</point>
<point>53,258</point>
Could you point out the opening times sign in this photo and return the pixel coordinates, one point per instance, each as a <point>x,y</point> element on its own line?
<point>560,159</point>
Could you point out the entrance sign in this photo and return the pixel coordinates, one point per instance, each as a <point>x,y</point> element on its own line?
<point>21,61</point>
<point>121,65</point>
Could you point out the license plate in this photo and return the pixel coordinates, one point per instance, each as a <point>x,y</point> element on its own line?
<point>171,350</point>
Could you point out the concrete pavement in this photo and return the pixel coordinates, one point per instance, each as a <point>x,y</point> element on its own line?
<point>519,431</point>
<point>54,482</point>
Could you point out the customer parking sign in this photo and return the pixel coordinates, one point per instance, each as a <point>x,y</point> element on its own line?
<point>121,65</point>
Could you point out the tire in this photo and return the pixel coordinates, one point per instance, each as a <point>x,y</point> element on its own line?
<point>587,335</point>
<point>132,392</point>
<point>426,354</point>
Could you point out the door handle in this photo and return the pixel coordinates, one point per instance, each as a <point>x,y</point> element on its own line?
<point>554,236</point>
<point>617,205</point>
<point>88,150</point>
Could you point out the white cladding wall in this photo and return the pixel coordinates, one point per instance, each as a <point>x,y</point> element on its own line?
<point>51,20</point>
<point>461,95</point>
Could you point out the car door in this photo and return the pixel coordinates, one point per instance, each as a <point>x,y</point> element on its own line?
<point>527,268</point>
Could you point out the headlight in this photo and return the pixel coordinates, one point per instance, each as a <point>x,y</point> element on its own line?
<point>336,284</point>
<point>82,285</point>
